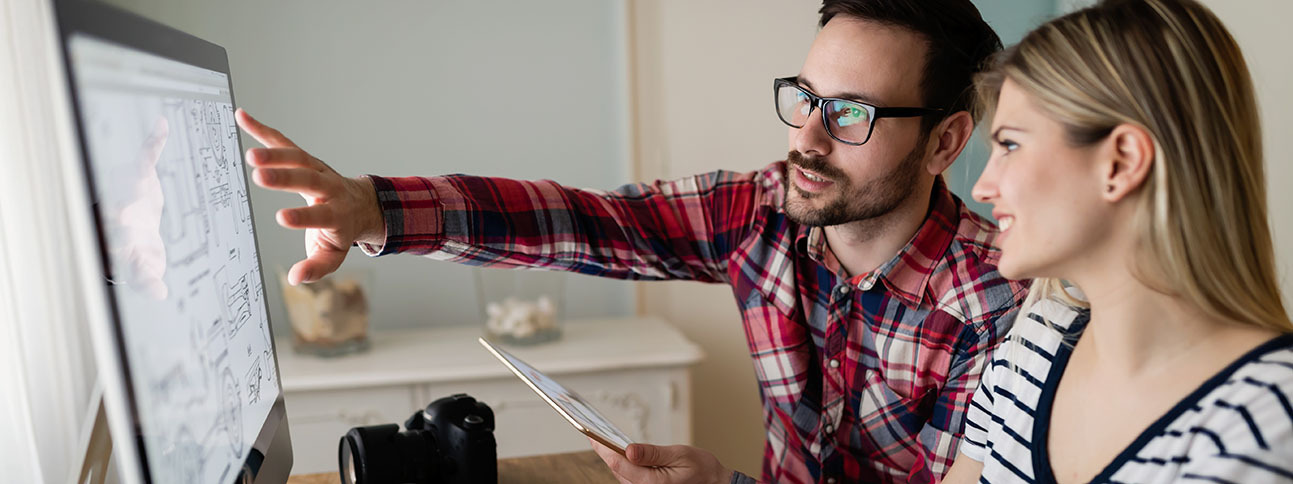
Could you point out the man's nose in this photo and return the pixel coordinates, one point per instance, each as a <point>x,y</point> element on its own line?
<point>812,138</point>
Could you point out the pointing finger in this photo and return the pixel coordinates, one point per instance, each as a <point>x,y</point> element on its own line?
<point>308,183</point>
<point>283,158</point>
<point>264,134</point>
<point>319,216</point>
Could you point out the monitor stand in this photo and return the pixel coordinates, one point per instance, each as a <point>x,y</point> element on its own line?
<point>98,451</point>
<point>97,460</point>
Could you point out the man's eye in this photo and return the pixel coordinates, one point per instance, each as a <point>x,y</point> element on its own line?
<point>804,105</point>
<point>848,114</point>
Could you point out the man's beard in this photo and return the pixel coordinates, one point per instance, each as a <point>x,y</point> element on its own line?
<point>873,199</point>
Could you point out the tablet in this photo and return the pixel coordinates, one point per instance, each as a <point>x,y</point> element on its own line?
<point>570,405</point>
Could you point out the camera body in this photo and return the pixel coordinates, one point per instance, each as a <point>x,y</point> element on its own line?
<point>450,442</point>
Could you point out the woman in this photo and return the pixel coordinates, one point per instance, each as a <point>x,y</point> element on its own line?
<point>1128,164</point>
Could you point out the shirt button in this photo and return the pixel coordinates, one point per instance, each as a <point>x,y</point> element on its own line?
<point>834,363</point>
<point>843,289</point>
<point>830,480</point>
<point>830,429</point>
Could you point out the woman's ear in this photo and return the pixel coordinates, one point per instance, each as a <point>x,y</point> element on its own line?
<point>1129,159</point>
<point>952,134</point>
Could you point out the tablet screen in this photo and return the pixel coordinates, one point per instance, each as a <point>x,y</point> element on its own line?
<point>570,405</point>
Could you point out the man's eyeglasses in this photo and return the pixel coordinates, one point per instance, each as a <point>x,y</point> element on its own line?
<point>847,121</point>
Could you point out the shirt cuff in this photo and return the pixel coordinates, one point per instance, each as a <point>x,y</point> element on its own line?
<point>412,214</point>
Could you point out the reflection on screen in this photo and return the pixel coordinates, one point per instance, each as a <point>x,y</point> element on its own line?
<point>172,200</point>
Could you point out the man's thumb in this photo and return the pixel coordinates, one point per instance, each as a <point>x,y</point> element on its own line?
<point>646,455</point>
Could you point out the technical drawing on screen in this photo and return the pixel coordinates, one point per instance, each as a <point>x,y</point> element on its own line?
<point>163,158</point>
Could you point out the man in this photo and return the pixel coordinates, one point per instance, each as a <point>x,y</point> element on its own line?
<point>869,292</point>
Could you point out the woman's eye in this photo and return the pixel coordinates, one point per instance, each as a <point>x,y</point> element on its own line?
<point>1007,145</point>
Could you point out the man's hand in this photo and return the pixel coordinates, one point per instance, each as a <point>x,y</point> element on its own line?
<point>340,211</point>
<point>654,464</point>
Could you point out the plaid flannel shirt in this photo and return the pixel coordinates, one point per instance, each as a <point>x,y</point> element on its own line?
<point>864,379</point>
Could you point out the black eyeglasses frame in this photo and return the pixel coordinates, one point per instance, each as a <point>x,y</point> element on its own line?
<point>819,103</point>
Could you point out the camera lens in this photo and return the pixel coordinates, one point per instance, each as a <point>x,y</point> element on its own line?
<point>348,475</point>
<point>381,454</point>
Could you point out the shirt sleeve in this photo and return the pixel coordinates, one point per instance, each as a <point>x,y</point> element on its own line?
<point>681,229</point>
<point>942,435</point>
<point>1254,466</point>
<point>978,417</point>
<point>1252,439</point>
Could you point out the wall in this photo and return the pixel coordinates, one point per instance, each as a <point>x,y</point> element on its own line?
<point>405,88</point>
<point>691,60</point>
<point>1261,28</point>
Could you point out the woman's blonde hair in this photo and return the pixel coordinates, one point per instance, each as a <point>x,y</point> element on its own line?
<point>1171,68</point>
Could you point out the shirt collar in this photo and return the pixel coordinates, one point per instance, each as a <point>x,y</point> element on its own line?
<point>907,274</point>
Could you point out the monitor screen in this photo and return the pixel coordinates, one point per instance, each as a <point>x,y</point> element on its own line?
<point>170,194</point>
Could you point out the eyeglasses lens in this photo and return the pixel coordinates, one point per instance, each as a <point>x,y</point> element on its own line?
<point>850,122</point>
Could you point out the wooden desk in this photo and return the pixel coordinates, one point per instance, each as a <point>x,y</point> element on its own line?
<point>574,468</point>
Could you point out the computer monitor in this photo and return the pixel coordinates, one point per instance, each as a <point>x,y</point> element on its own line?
<point>186,354</point>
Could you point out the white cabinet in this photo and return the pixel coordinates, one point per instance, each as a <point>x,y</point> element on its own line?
<point>636,371</point>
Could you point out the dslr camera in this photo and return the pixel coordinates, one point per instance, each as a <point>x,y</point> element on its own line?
<point>450,442</point>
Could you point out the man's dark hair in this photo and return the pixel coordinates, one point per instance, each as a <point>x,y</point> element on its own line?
<point>959,41</point>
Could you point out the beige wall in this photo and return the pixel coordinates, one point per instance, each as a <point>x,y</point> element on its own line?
<point>697,67</point>
<point>1261,27</point>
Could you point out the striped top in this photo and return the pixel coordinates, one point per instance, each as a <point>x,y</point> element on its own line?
<point>1235,428</point>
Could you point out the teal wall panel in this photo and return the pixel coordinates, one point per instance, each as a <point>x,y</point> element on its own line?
<point>1011,19</point>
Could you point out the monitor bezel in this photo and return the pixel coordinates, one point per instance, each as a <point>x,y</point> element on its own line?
<point>104,22</point>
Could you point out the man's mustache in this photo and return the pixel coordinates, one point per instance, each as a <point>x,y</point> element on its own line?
<point>814,164</point>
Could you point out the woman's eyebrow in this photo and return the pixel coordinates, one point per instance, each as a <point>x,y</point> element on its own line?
<point>997,132</point>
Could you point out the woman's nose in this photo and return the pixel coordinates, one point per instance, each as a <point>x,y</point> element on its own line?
<point>985,189</point>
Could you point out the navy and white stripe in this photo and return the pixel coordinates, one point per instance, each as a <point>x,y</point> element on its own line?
<point>1236,428</point>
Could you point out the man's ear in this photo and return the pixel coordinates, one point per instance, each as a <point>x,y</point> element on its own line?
<point>949,138</point>
<point>1129,157</point>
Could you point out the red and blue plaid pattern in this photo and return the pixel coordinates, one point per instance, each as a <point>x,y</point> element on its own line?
<point>864,379</point>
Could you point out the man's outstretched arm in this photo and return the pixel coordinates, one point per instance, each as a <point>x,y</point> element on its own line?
<point>684,229</point>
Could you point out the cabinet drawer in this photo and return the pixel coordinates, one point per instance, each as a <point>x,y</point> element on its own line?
<point>318,419</point>
<point>639,402</point>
